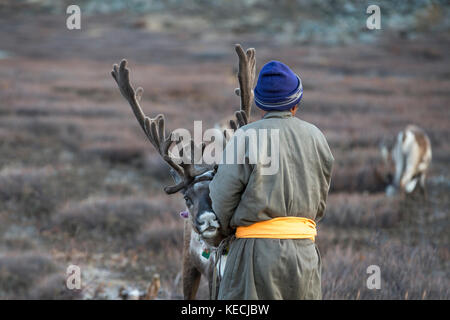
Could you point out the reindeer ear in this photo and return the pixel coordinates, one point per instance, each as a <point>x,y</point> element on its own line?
<point>384,153</point>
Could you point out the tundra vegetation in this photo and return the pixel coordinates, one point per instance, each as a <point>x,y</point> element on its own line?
<point>80,185</point>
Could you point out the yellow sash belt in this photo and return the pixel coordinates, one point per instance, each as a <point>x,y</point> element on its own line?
<point>280,228</point>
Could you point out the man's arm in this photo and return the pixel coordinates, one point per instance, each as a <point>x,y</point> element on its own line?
<point>227,187</point>
<point>327,167</point>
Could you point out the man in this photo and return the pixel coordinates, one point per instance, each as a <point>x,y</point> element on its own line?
<point>273,216</point>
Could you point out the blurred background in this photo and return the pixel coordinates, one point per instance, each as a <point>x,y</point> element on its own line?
<point>79,183</point>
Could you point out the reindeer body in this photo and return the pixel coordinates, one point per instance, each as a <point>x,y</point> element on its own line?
<point>201,229</point>
<point>195,264</point>
<point>201,237</point>
<point>411,155</point>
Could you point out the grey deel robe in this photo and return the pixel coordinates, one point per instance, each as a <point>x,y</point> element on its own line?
<point>241,195</point>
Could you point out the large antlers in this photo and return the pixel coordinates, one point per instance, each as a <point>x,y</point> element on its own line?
<point>185,173</point>
<point>246,77</point>
<point>154,129</point>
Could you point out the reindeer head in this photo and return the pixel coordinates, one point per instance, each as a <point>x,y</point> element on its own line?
<point>199,206</point>
<point>191,180</point>
<point>385,168</point>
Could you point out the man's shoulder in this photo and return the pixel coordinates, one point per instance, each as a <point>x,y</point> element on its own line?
<point>291,123</point>
<point>309,126</point>
<point>319,137</point>
<point>303,127</point>
<point>258,124</point>
<point>314,132</point>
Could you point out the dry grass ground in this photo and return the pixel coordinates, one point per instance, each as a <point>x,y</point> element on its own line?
<point>79,184</point>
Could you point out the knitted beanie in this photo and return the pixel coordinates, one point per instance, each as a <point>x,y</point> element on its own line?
<point>278,88</point>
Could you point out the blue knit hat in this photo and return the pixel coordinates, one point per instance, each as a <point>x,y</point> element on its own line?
<point>278,88</point>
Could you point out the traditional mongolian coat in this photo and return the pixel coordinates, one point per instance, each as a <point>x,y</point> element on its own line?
<point>241,195</point>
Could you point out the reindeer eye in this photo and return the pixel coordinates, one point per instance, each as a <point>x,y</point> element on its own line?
<point>188,201</point>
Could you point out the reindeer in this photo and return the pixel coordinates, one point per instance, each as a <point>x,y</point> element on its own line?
<point>201,229</point>
<point>411,157</point>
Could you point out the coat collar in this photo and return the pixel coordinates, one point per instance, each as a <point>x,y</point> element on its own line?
<point>278,114</point>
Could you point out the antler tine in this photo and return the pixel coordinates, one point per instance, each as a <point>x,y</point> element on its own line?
<point>246,76</point>
<point>241,117</point>
<point>189,168</point>
<point>185,170</point>
<point>241,120</point>
<point>121,75</point>
<point>160,122</point>
<point>175,188</point>
<point>155,134</point>
<point>153,128</point>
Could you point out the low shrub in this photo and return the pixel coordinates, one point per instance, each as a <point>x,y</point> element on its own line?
<point>100,217</point>
<point>19,272</point>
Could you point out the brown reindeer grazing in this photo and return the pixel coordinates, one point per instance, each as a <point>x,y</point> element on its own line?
<point>411,157</point>
<point>201,229</point>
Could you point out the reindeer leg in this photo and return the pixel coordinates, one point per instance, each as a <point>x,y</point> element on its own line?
<point>423,190</point>
<point>191,280</point>
<point>191,275</point>
<point>211,281</point>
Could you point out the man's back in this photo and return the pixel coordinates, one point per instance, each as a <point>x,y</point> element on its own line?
<point>298,188</point>
<point>261,268</point>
